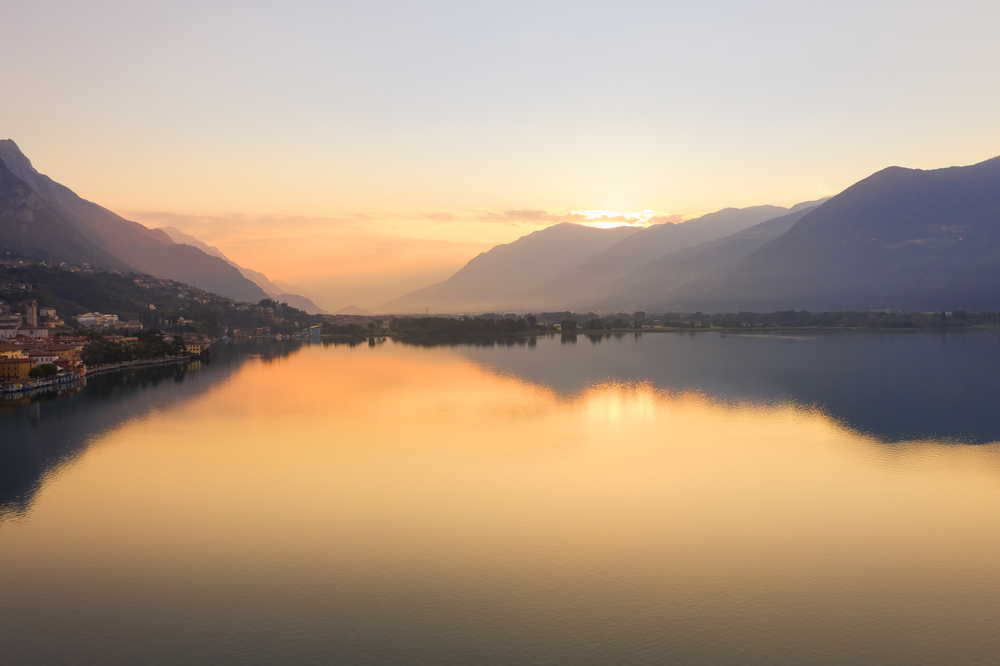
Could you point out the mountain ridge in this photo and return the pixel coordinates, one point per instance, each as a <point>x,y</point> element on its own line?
<point>274,290</point>
<point>908,239</point>
<point>590,280</point>
<point>132,245</point>
<point>564,277</point>
<point>497,279</point>
<point>647,284</point>
<point>31,226</point>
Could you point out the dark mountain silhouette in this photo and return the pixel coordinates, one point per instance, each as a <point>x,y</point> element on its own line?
<point>31,226</point>
<point>569,266</point>
<point>126,244</point>
<point>299,302</point>
<point>905,239</point>
<point>273,290</point>
<point>507,277</point>
<point>648,286</point>
<point>593,279</point>
<point>352,310</point>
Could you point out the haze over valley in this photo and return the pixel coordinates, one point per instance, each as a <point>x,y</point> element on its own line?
<point>499,333</point>
<point>900,239</point>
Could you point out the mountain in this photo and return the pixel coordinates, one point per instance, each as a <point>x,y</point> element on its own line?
<point>295,289</point>
<point>178,236</point>
<point>507,276</point>
<point>591,279</point>
<point>299,302</point>
<point>649,285</point>
<point>127,245</point>
<point>569,266</point>
<point>31,226</point>
<point>352,310</point>
<point>904,239</point>
<point>276,291</point>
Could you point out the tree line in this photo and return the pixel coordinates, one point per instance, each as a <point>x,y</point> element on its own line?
<point>151,344</point>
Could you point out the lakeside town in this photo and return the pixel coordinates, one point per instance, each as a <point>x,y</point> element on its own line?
<point>39,352</point>
<point>60,323</point>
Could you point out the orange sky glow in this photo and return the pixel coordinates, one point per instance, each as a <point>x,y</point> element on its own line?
<point>364,150</point>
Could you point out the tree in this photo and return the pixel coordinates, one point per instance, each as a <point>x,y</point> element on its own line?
<point>44,370</point>
<point>568,324</point>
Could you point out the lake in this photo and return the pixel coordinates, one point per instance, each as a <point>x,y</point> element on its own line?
<point>634,499</point>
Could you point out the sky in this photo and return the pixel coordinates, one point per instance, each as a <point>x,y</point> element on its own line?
<point>364,149</point>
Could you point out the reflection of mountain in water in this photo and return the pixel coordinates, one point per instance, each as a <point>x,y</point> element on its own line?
<point>895,386</point>
<point>41,437</point>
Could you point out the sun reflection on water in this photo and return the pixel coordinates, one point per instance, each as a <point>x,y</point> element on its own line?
<point>359,485</point>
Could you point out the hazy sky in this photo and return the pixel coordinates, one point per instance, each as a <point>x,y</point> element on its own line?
<point>315,140</point>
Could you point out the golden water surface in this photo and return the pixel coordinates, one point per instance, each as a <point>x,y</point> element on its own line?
<point>403,505</point>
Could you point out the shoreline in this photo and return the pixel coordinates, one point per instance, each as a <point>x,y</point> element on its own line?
<point>663,329</point>
<point>128,365</point>
<point>56,383</point>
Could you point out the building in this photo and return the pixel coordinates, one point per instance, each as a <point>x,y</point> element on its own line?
<point>32,317</point>
<point>98,320</point>
<point>195,348</point>
<point>72,366</point>
<point>14,368</point>
<point>63,351</point>
<point>195,344</point>
<point>42,356</point>
<point>47,318</point>
<point>33,332</point>
<point>11,351</point>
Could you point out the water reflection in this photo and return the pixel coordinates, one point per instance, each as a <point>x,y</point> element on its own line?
<point>895,386</point>
<point>495,504</point>
<point>43,433</point>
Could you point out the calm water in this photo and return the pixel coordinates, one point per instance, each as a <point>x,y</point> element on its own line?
<point>660,499</point>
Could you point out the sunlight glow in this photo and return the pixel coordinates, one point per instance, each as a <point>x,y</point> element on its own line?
<point>607,219</point>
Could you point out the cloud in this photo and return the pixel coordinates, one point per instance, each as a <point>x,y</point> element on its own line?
<point>589,217</point>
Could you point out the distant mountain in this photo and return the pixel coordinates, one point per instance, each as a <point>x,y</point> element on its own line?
<point>352,310</point>
<point>276,291</point>
<point>31,226</point>
<point>178,236</point>
<point>902,238</point>
<point>300,303</point>
<point>127,245</point>
<point>570,266</point>
<point>507,276</point>
<point>649,286</point>
<point>592,278</point>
